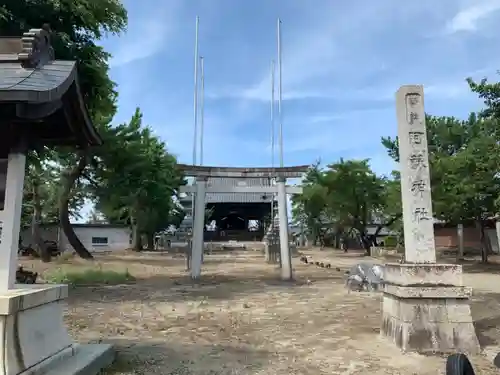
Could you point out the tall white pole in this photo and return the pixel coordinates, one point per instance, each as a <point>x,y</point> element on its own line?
<point>285,256</point>
<point>280,95</point>
<point>272,137</point>
<point>202,107</point>
<point>195,135</point>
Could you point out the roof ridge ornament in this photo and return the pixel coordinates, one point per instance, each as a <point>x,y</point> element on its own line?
<point>37,50</point>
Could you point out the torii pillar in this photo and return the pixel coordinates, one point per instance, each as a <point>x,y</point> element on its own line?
<point>198,224</point>
<point>286,257</point>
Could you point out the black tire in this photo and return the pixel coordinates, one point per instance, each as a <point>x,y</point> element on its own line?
<point>496,361</point>
<point>459,364</point>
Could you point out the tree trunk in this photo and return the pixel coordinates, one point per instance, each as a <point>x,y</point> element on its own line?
<point>151,241</point>
<point>387,225</point>
<point>69,178</point>
<point>136,236</point>
<point>40,245</point>
<point>338,237</point>
<point>365,241</point>
<point>366,245</point>
<point>484,241</point>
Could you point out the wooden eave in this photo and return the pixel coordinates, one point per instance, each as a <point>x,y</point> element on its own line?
<point>40,98</point>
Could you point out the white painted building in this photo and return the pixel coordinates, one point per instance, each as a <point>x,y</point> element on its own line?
<point>95,237</point>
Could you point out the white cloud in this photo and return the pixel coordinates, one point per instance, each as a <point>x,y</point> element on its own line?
<point>330,117</point>
<point>336,43</point>
<point>149,32</point>
<point>219,141</point>
<point>257,94</point>
<point>468,19</point>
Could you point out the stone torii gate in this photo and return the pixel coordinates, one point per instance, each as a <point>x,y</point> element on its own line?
<point>200,188</point>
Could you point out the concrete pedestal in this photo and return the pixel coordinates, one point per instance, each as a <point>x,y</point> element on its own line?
<point>34,339</point>
<point>426,309</point>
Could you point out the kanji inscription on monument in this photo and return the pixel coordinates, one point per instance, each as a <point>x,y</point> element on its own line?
<point>415,177</point>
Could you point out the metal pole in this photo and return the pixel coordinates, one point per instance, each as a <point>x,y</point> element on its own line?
<point>196,91</point>
<point>272,137</point>
<point>280,95</point>
<point>195,135</point>
<point>202,107</point>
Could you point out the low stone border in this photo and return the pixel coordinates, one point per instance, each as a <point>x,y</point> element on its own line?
<point>381,252</point>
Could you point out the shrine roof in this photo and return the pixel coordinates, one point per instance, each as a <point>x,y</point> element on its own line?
<point>40,97</point>
<point>235,172</point>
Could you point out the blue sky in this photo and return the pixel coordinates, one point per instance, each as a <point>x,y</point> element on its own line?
<point>342,63</point>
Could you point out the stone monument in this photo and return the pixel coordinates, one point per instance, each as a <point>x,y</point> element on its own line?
<point>425,305</point>
<point>40,105</point>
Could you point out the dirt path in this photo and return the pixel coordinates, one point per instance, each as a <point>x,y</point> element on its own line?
<point>242,320</point>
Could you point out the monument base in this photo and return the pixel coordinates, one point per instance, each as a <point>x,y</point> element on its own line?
<point>35,340</point>
<point>426,309</point>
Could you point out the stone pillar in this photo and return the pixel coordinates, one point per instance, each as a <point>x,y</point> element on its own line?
<point>34,337</point>
<point>198,224</point>
<point>425,305</point>
<point>497,230</point>
<point>460,237</point>
<point>285,256</point>
<point>13,186</point>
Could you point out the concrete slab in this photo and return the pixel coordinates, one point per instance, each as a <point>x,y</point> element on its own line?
<point>87,359</point>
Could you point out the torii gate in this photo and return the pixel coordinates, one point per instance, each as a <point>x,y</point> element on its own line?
<point>199,189</point>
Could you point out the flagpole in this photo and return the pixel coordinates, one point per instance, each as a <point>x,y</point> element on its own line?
<point>195,136</point>
<point>202,107</point>
<point>272,137</point>
<point>195,103</point>
<point>280,95</point>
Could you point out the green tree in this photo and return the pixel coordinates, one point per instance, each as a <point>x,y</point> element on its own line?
<point>346,198</point>
<point>489,92</point>
<point>77,25</point>
<point>464,160</point>
<point>390,212</point>
<point>309,208</point>
<point>355,194</point>
<point>138,182</point>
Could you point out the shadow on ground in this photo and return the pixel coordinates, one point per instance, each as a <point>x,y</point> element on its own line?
<point>478,267</point>
<point>162,288</point>
<point>172,358</point>
<point>486,316</point>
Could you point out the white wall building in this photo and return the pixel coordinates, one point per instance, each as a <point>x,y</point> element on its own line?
<point>95,237</point>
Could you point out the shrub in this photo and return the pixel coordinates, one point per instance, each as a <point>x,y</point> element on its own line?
<point>390,241</point>
<point>65,257</point>
<point>89,277</point>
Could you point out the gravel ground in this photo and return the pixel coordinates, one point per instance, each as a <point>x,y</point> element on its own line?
<point>242,320</point>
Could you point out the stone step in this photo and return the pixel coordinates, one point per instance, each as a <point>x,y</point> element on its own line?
<point>88,359</point>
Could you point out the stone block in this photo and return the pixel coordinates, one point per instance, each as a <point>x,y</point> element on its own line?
<point>33,337</point>
<point>437,324</point>
<point>381,252</point>
<point>430,316</point>
<point>427,273</point>
<point>458,310</point>
<point>431,337</point>
<point>403,291</point>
